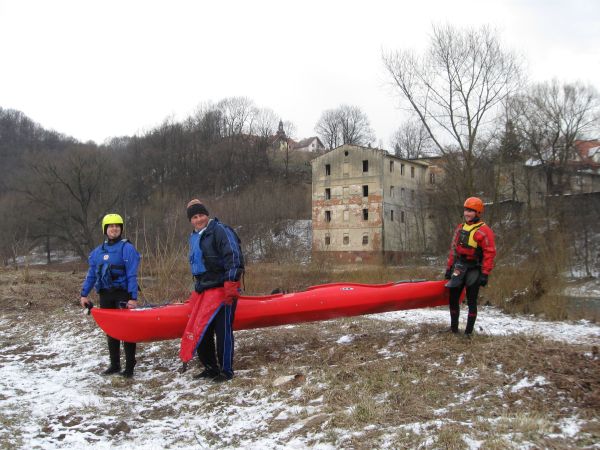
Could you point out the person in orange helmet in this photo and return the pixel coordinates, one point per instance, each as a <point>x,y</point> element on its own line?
<point>470,261</point>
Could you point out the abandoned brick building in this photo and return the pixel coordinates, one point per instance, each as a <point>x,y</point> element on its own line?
<point>368,205</point>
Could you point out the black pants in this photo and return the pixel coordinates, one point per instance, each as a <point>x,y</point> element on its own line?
<point>471,294</point>
<point>114,300</point>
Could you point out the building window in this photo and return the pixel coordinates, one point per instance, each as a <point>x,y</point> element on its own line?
<point>412,195</point>
<point>391,166</point>
<point>345,192</point>
<point>432,178</point>
<point>401,169</point>
<point>365,190</point>
<point>401,192</point>
<point>391,191</point>
<point>412,172</point>
<point>327,169</point>
<point>365,214</point>
<point>365,165</point>
<point>365,239</point>
<point>401,216</point>
<point>327,239</point>
<point>392,215</point>
<point>346,239</point>
<point>327,216</point>
<point>346,215</point>
<point>327,194</point>
<point>346,169</point>
<point>346,153</point>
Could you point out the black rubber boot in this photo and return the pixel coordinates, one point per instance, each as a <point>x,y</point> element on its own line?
<point>470,323</point>
<point>129,359</point>
<point>222,377</point>
<point>208,372</point>
<point>454,320</point>
<point>114,351</point>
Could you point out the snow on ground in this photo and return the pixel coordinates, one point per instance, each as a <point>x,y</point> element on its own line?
<point>52,396</point>
<point>585,289</point>
<point>492,321</point>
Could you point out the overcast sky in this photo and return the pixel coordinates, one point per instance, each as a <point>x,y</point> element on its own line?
<point>96,69</point>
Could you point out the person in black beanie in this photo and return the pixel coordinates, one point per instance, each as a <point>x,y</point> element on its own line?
<point>195,207</point>
<point>217,264</point>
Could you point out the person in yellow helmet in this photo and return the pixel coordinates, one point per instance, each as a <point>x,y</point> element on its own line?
<point>112,272</point>
<point>470,262</point>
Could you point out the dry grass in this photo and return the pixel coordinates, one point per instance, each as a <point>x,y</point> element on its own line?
<point>32,288</point>
<point>399,378</point>
<point>422,382</point>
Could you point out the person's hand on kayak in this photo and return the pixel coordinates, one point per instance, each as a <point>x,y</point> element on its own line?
<point>132,304</point>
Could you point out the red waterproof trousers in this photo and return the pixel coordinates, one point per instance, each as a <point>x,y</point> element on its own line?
<point>205,306</point>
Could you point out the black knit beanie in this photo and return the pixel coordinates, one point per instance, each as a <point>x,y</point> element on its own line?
<point>196,208</point>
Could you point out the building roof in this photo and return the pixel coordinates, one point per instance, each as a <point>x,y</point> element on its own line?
<point>588,151</point>
<point>421,162</point>
<point>379,150</point>
<point>306,142</point>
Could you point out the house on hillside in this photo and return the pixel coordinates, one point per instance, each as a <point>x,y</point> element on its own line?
<point>368,205</point>
<point>311,144</point>
<point>535,180</point>
<point>280,141</point>
<point>585,167</point>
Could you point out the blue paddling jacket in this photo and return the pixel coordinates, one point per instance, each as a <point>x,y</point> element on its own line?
<point>113,265</point>
<point>215,256</point>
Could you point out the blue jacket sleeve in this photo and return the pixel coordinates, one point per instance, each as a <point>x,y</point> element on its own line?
<point>230,253</point>
<point>90,278</point>
<point>131,257</point>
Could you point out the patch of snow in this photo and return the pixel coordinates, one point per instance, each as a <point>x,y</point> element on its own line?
<point>345,339</point>
<point>569,426</point>
<point>282,380</point>
<point>525,383</point>
<point>471,443</point>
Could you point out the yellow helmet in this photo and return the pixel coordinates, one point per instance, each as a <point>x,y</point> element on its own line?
<point>111,219</point>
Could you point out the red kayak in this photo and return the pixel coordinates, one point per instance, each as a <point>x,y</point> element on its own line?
<point>323,302</point>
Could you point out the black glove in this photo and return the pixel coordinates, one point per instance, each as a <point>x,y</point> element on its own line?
<point>448,274</point>
<point>483,279</point>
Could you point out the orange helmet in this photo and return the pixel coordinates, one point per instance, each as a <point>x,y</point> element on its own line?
<point>475,204</point>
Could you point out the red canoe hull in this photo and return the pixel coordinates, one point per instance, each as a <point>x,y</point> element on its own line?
<point>328,301</point>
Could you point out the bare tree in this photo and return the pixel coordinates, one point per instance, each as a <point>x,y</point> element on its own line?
<point>328,128</point>
<point>355,126</point>
<point>411,140</point>
<point>71,193</point>
<point>344,125</point>
<point>290,129</point>
<point>264,123</point>
<point>456,89</point>
<point>550,117</point>
<point>237,115</point>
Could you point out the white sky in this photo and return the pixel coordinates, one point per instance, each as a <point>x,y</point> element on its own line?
<point>96,69</point>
